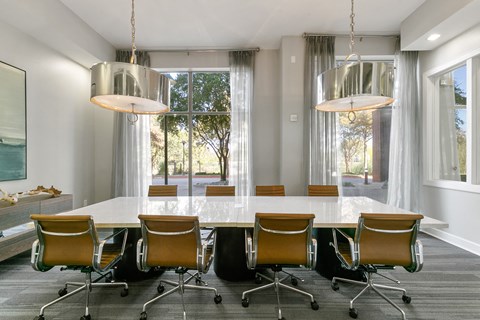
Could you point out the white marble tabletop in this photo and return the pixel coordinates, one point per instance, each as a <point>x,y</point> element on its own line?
<point>239,211</point>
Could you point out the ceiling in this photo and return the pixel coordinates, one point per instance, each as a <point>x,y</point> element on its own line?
<point>203,24</point>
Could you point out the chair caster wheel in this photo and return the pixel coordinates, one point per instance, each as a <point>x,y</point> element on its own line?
<point>314,305</point>
<point>124,293</point>
<point>143,316</point>
<point>217,299</point>
<point>62,292</point>
<point>294,281</point>
<point>86,317</point>
<point>160,289</point>
<point>335,286</point>
<point>245,303</point>
<point>40,317</point>
<point>198,281</point>
<point>406,299</point>
<point>258,279</point>
<point>353,313</point>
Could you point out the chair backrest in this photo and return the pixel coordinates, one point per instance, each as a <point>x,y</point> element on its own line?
<point>65,240</point>
<point>283,239</point>
<point>322,190</point>
<point>162,191</point>
<point>271,191</point>
<point>171,241</point>
<point>219,191</point>
<point>387,238</point>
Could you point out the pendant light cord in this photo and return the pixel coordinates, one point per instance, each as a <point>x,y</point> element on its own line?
<point>352,30</point>
<point>133,58</point>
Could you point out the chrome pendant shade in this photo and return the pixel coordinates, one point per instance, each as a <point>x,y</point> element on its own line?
<point>128,87</point>
<point>355,86</point>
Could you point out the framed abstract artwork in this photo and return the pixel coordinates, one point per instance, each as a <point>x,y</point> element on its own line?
<point>13,123</point>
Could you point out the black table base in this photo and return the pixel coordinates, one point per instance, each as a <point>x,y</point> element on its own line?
<point>230,262</point>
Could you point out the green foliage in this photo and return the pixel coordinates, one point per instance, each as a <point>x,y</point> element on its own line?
<point>211,93</point>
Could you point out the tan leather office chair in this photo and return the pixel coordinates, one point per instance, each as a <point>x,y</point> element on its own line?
<point>380,240</point>
<point>219,191</point>
<point>72,242</point>
<point>322,190</point>
<point>270,191</point>
<point>174,242</point>
<point>162,190</point>
<point>280,239</point>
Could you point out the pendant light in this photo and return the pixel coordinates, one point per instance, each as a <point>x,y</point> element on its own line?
<point>129,87</point>
<point>355,86</point>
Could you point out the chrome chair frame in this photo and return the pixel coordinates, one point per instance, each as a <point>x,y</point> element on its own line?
<point>276,282</point>
<point>369,270</point>
<point>36,259</point>
<point>182,284</point>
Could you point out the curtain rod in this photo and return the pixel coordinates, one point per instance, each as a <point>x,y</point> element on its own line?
<point>306,34</point>
<point>205,50</point>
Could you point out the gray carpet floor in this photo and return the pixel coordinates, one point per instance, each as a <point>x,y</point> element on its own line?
<point>448,287</point>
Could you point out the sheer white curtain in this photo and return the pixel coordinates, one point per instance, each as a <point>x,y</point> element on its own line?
<point>405,174</point>
<point>132,168</point>
<point>320,127</point>
<point>448,152</point>
<point>241,92</point>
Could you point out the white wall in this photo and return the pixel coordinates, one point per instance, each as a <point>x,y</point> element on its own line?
<point>266,119</point>
<point>60,119</point>
<point>458,208</point>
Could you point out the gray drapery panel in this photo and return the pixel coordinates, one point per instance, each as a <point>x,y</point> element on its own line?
<point>405,174</point>
<point>241,92</point>
<point>131,146</point>
<point>320,134</point>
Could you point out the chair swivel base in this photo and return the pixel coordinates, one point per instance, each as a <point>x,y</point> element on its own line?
<point>88,285</point>
<point>276,283</point>
<point>180,287</point>
<point>370,285</point>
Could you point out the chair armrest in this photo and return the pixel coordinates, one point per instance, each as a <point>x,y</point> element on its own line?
<point>99,252</point>
<point>34,255</point>
<point>313,254</point>
<point>35,258</point>
<point>140,257</point>
<point>351,244</point>
<point>418,255</point>
<point>208,243</point>
<point>249,251</point>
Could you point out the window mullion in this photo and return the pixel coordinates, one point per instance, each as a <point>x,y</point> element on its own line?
<point>190,133</point>
<point>473,149</point>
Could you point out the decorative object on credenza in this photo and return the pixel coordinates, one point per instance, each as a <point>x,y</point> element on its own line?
<point>4,196</point>
<point>13,137</point>
<point>54,192</point>
<point>13,198</point>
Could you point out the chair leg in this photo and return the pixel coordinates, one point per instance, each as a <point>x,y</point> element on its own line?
<point>180,286</point>
<point>277,284</point>
<point>370,285</point>
<point>87,285</point>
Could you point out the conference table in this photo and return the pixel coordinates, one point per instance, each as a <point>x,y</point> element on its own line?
<point>231,215</point>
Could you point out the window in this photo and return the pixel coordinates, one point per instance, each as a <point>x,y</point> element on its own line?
<point>190,144</point>
<point>451,156</point>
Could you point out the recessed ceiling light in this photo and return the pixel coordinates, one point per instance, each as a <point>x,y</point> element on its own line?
<point>433,37</point>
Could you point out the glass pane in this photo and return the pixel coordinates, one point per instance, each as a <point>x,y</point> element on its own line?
<point>211,91</point>
<point>177,167</point>
<point>364,157</point>
<point>210,151</point>
<point>452,139</point>
<point>178,91</point>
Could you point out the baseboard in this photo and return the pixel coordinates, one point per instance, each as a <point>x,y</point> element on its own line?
<point>454,240</point>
